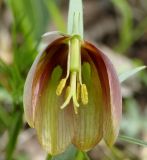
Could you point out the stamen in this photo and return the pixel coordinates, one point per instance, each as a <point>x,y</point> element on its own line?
<point>75,109</point>
<point>71,92</point>
<point>73,88</point>
<point>80,72</point>
<point>84,94</point>
<point>75,100</point>
<point>67,100</point>
<point>62,83</point>
<point>78,91</point>
<point>67,92</point>
<point>61,86</point>
<point>68,61</point>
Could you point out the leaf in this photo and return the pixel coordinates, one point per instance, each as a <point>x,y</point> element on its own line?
<point>75,15</point>
<point>86,156</point>
<point>55,14</point>
<point>126,32</point>
<point>140,30</point>
<point>28,14</point>
<point>4,68</point>
<point>70,153</point>
<point>130,73</point>
<point>4,117</point>
<point>133,140</point>
<point>13,134</point>
<point>82,156</point>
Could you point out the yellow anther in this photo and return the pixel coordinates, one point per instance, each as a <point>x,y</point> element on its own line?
<point>78,91</point>
<point>61,86</point>
<point>84,94</point>
<point>67,92</point>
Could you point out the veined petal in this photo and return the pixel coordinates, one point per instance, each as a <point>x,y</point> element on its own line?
<point>89,120</point>
<point>112,98</point>
<point>27,95</point>
<point>54,33</point>
<point>54,126</point>
<point>36,77</point>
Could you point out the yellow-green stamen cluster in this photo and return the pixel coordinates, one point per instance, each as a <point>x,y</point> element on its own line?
<point>76,90</point>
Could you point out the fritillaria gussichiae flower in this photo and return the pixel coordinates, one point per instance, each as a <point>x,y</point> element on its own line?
<point>72,95</point>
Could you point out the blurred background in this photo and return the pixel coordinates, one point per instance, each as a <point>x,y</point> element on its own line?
<point>118,27</point>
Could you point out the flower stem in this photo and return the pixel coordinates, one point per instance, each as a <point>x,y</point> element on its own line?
<point>49,157</point>
<point>75,18</point>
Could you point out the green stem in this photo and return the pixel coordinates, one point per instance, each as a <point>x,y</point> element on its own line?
<point>16,125</point>
<point>82,156</point>
<point>75,18</point>
<point>49,157</point>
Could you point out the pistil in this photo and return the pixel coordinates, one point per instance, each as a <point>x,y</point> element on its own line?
<point>75,90</point>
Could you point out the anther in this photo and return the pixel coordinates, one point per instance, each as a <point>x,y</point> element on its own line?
<point>84,94</point>
<point>61,86</point>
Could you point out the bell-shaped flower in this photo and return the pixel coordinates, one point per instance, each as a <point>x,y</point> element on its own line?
<point>72,96</point>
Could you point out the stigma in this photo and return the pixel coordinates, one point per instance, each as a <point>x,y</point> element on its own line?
<point>75,90</point>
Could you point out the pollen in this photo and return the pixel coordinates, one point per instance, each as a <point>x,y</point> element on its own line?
<point>61,86</point>
<point>84,94</point>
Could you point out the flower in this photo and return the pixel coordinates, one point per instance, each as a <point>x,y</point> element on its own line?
<point>72,95</point>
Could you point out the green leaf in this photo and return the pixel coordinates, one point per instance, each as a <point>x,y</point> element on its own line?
<point>4,117</point>
<point>16,79</point>
<point>126,32</point>
<point>82,156</point>
<point>30,16</point>
<point>86,156</point>
<point>13,134</point>
<point>75,18</point>
<point>130,73</point>
<point>140,29</point>
<point>133,140</point>
<point>70,153</point>
<point>55,14</point>
<point>4,68</point>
